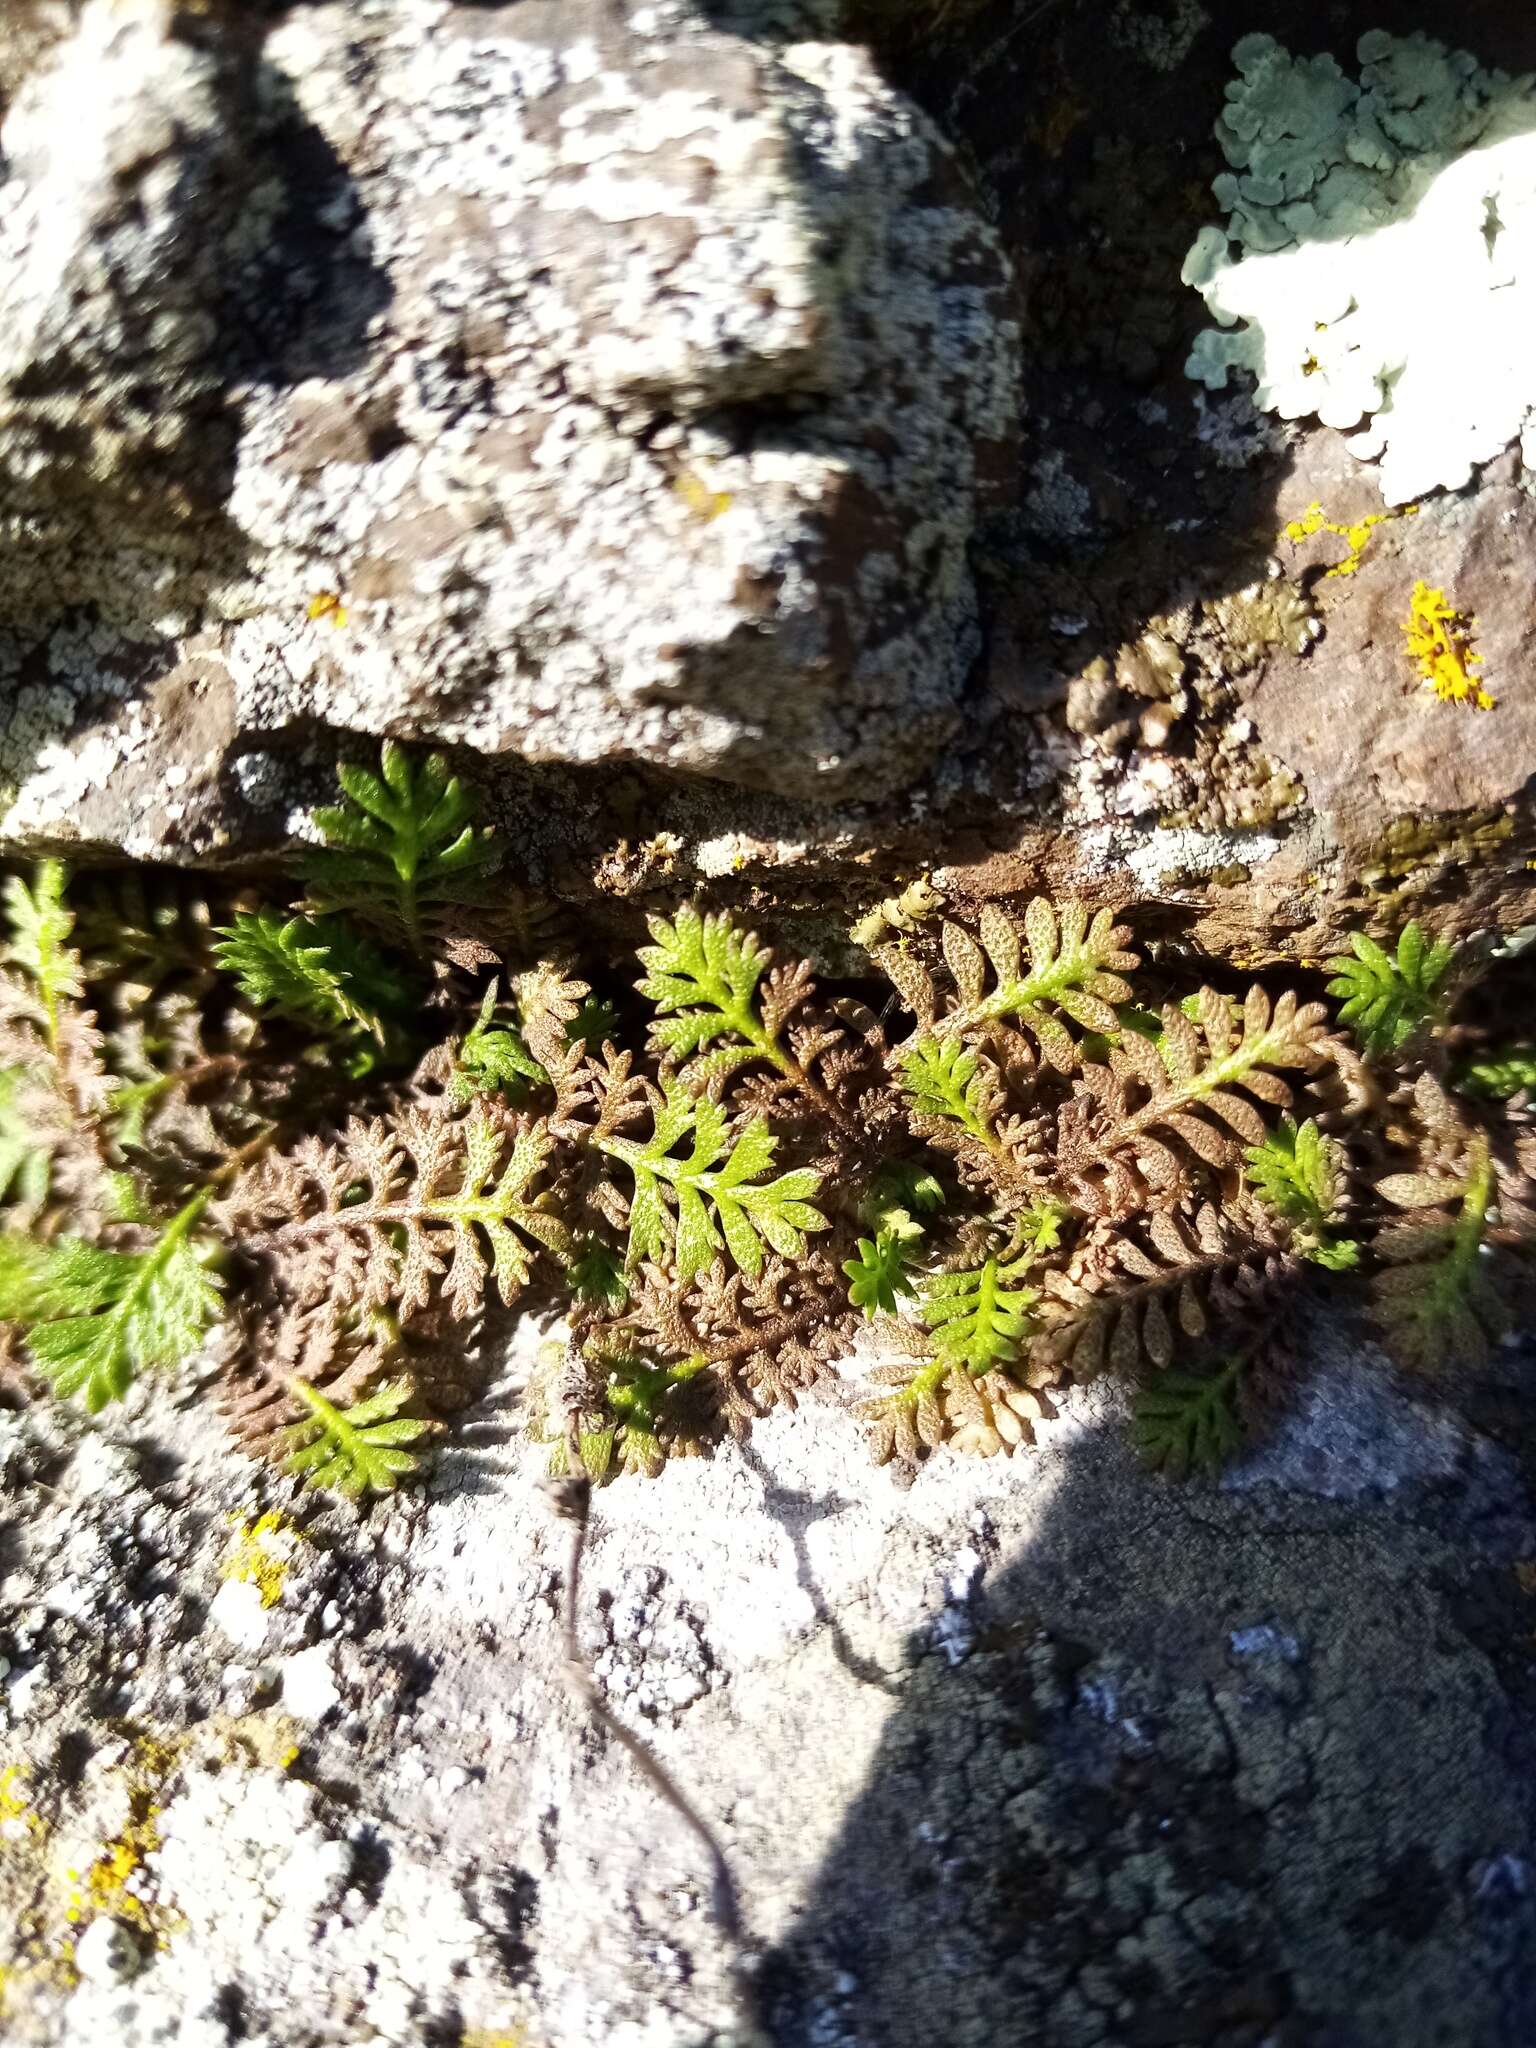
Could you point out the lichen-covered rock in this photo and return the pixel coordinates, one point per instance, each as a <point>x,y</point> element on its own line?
<point>547,378</point>
<point>1385,238</point>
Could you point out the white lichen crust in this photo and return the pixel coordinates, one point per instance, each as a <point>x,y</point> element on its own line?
<point>1377,266</point>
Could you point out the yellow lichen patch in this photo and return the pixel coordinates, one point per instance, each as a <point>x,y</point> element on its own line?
<point>701,501</point>
<point>113,1883</point>
<point>263,1554</point>
<point>1355,533</point>
<point>492,2037</point>
<point>15,1808</point>
<point>327,604</point>
<point>1440,640</point>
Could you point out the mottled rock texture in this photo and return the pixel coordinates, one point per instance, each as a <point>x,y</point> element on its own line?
<point>632,385</point>
<point>719,361</point>
<point>1042,1749</point>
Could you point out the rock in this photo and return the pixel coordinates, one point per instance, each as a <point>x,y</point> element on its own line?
<point>107,1952</point>
<point>541,378</point>
<point>1043,1741</point>
<point>237,1609</point>
<point>375,427</point>
<point>309,1683</point>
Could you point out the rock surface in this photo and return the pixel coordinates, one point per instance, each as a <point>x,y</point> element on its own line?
<point>553,378</point>
<point>507,486</point>
<point>1042,1748</point>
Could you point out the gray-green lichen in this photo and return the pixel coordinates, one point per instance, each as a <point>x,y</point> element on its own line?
<point>1377,263</point>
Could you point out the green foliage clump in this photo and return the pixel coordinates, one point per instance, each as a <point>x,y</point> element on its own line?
<point>1298,1172</point>
<point>402,854</point>
<point>95,1318</point>
<point>316,972</point>
<point>1389,999</point>
<point>319,1121</point>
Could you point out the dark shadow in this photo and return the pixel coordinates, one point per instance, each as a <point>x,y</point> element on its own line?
<point>1223,1766</point>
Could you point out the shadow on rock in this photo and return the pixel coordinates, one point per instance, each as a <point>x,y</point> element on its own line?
<point>1208,1767</point>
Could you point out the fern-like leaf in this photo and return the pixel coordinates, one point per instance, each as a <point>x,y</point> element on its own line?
<point>1437,1300</point>
<point>40,999</point>
<point>1498,1075</point>
<point>1140,1293</point>
<point>1076,968</point>
<point>880,1275</point>
<point>1389,1000</point>
<point>394,1208</point>
<point>979,1316</point>
<point>945,1078</point>
<point>1137,1121</point>
<point>1189,1422</point>
<point>403,851</point>
<point>313,971</point>
<point>1298,1173</point>
<point>703,976</point>
<point>358,1449</point>
<point>719,1199</point>
<point>142,936</point>
<point>492,1057</point>
<point>597,1277</point>
<point>41,926</point>
<point>24,1148</point>
<point>95,1318</point>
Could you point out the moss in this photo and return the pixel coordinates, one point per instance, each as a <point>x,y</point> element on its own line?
<point>1256,620</point>
<point>1411,845</point>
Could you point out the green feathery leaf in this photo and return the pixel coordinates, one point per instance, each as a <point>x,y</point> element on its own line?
<point>880,1274</point>
<point>979,1316</point>
<point>1076,966</point>
<point>702,976</point>
<point>41,926</point>
<point>1498,1075</point>
<point>96,1318</point>
<point>493,1056</point>
<point>943,1077</point>
<point>357,1449</point>
<point>1189,1422</point>
<point>403,850</point>
<point>1388,1001</point>
<point>314,971</point>
<point>1298,1173</point>
<point>597,1277</point>
<point>720,1198</point>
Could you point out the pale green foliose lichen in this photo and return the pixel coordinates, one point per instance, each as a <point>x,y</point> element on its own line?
<point>1377,267</point>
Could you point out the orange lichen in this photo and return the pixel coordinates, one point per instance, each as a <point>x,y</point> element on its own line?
<point>1355,533</point>
<point>1440,640</point>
